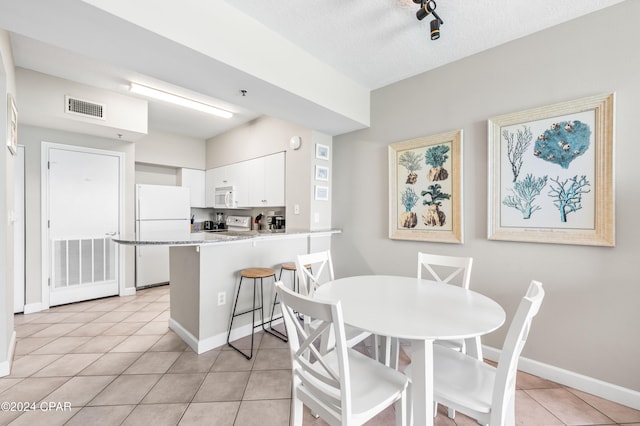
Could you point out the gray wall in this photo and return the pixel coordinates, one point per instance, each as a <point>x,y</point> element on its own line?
<point>590,318</point>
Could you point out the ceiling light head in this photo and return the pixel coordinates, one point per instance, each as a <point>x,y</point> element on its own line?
<point>178,100</point>
<point>435,29</point>
<point>426,7</point>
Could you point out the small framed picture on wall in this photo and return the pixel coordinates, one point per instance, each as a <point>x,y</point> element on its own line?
<point>322,152</point>
<point>322,173</point>
<point>322,193</point>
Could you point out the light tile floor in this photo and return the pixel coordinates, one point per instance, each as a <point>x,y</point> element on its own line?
<point>115,362</point>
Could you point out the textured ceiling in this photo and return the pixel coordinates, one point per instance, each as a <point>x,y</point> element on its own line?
<point>373,43</point>
<point>378,42</point>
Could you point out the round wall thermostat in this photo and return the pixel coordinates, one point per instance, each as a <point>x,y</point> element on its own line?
<point>295,142</point>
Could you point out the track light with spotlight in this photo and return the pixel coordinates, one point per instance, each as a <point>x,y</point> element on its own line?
<point>428,7</point>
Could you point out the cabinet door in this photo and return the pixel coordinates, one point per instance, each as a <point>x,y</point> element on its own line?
<point>274,183</point>
<point>209,186</point>
<point>195,181</point>
<point>239,173</point>
<point>223,176</point>
<point>255,175</point>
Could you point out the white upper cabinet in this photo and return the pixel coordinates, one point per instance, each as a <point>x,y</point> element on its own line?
<point>266,181</point>
<point>258,182</point>
<point>195,181</point>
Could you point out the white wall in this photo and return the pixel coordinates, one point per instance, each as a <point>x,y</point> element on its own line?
<point>7,85</point>
<point>43,104</point>
<point>168,149</point>
<point>590,318</point>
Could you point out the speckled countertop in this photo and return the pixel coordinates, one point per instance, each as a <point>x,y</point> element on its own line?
<point>197,238</point>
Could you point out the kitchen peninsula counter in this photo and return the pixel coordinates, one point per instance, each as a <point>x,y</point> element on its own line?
<point>204,237</point>
<point>204,274</point>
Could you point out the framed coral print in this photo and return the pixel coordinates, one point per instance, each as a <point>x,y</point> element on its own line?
<point>425,188</point>
<point>551,174</point>
<point>12,124</point>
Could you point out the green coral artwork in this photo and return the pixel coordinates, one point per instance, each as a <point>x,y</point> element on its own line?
<point>436,156</point>
<point>410,160</point>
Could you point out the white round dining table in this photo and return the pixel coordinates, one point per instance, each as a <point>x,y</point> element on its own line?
<point>418,310</point>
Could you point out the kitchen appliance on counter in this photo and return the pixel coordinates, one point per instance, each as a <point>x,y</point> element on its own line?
<point>238,223</point>
<point>213,226</point>
<point>275,223</point>
<point>162,212</point>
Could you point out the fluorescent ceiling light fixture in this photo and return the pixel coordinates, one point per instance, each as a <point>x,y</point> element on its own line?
<point>178,100</point>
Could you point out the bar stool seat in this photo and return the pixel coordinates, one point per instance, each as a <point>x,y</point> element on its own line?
<point>254,273</point>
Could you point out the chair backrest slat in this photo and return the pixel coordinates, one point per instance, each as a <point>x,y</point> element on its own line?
<point>453,265</point>
<point>320,268</point>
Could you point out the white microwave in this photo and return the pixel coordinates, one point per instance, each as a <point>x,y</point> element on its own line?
<point>225,197</point>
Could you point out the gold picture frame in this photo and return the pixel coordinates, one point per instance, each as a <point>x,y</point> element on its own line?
<point>425,189</point>
<point>551,174</point>
<point>12,125</point>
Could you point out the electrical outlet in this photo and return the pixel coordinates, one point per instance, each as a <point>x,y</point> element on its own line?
<point>222,298</point>
<point>316,217</point>
<point>296,209</point>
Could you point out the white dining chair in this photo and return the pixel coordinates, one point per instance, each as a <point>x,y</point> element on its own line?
<point>447,269</point>
<point>342,385</point>
<point>451,270</point>
<point>313,270</point>
<point>477,389</point>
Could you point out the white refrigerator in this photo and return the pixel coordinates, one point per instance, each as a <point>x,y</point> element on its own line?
<point>162,213</point>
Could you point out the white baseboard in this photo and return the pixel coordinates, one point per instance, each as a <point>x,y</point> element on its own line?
<point>204,345</point>
<point>615,393</point>
<point>5,366</point>
<point>30,308</point>
<point>128,291</point>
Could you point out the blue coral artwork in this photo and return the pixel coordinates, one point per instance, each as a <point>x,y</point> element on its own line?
<point>563,142</point>
<point>547,169</point>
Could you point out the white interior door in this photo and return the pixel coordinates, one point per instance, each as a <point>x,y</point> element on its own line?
<point>83,211</point>
<point>18,231</point>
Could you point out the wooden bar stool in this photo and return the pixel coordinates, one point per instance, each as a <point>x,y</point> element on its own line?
<point>258,305</point>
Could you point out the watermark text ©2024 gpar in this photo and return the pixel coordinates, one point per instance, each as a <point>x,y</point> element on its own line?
<point>35,406</point>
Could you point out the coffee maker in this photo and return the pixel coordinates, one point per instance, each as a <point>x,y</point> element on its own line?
<point>275,223</point>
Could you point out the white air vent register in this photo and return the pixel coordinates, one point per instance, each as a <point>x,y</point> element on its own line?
<point>83,107</point>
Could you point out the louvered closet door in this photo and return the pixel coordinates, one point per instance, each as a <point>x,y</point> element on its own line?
<point>83,211</point>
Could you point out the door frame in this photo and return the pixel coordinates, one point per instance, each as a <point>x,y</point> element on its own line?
<point>44,212</point>
<point>19,235</point>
